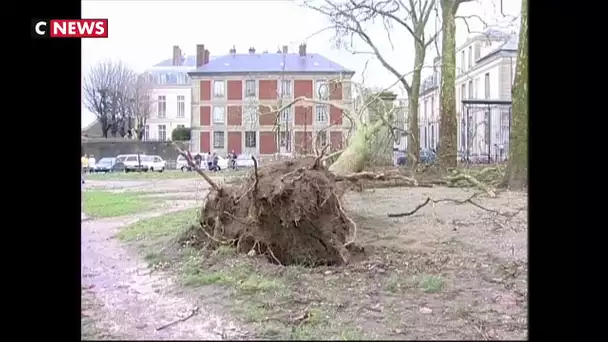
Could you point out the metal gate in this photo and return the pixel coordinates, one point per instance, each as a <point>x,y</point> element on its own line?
<point>484,130</point>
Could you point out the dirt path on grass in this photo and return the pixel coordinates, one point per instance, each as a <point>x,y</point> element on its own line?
<point>132,302</point>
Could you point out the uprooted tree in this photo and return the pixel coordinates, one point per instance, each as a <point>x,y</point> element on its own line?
<point>290,210</point>
<point>349,20</point>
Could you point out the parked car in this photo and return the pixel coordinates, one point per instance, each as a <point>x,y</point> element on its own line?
<point>104,165</point>
<point>182,163</point>
<point>154,163</point>
<point>244,160</point>
<point>427,156</point>
<point>132,162</point>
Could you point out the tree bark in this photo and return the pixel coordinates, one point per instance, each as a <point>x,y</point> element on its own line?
<point>413,137</point>
<point>516,176</point>
<point>448,124</point>
<point>372,140</point>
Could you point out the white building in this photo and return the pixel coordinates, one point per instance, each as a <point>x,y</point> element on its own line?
<point>171,95</point>
<point>485,70</point>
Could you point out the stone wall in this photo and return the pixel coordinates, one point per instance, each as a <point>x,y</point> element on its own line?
<point>101,148</point>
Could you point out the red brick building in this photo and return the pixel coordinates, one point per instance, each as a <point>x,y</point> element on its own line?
<point>235,98</point>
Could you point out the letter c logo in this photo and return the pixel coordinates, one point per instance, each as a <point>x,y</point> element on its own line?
<point>38,30</point>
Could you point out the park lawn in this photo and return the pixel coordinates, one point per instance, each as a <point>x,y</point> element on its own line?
<point>151,236</point>
<point>109,204</point>
<point>171,174</point>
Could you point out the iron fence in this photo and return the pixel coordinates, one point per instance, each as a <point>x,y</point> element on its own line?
<point>484,130</point>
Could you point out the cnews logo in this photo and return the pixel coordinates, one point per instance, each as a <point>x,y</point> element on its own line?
<point>70,28</point>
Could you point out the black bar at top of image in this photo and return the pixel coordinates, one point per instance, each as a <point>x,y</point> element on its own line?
<point>51,230</point>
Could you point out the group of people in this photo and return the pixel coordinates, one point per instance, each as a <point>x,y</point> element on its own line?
<point>87,162</point>
<point>212,160</point>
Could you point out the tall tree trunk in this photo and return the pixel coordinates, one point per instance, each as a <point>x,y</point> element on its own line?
<point>413,138</point>
<point>516,176</point>
<point>448,123</point>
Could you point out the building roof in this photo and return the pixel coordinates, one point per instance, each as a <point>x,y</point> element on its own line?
<point>271,63</point>
<point>187,61</point>
<point>508,46</point>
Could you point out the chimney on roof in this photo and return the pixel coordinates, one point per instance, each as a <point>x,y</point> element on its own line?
<point>206,59</point>
<point>252,50</point>
<point>177,56</point>
<point>233,50</point>
<point>285,49</point>
<point>200,55</point>
<point>303,50</point>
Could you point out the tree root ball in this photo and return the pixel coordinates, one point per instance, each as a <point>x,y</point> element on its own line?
<point>288,211</point>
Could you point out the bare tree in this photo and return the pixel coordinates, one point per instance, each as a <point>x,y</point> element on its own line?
<point>106,89</point>
<point>141,105</point>
<point>516,176</point>
<point>349,19</point>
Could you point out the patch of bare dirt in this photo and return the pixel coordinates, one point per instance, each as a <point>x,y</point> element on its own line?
<point>448,271</point>
<point>134,303</point>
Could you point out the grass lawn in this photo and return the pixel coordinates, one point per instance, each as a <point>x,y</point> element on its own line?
<point>169,174</point>
<point>108,204</point>
<point>156,232</point>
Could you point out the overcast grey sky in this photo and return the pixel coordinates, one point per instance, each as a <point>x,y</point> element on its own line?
<point>143,32</point>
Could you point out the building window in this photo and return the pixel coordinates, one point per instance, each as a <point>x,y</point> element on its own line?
<point>218,139</point>
<point>426,105</point>
<point>426,138</point>
<point>250,114</point>
<point>433,136</point>
<point>162,106</point>
<point>433,107</point>
<point>322,114</point>
<point>471,89</point>
<point>284,138</point>
<point>285,88</point>
<point>470,57</point>
<point>322,90</point>
<point>250,139</point>
<point>250,88</point>
<point>162,132</point>
<point>147,132</point>
<point>181,106</point>
<point>285,115</point>
<point>321,139</point>
<point>219,89</point>
<point>219,114</point>
<point>486,86</point>
<point>462,60</point>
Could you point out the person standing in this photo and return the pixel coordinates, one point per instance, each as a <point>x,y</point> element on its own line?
<point>83,216</point>
<point>84,162</point>
<point>91,163</point>
<point>209,161</point>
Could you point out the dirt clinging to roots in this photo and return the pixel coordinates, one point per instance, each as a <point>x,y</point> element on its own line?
<point>290,211</point>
